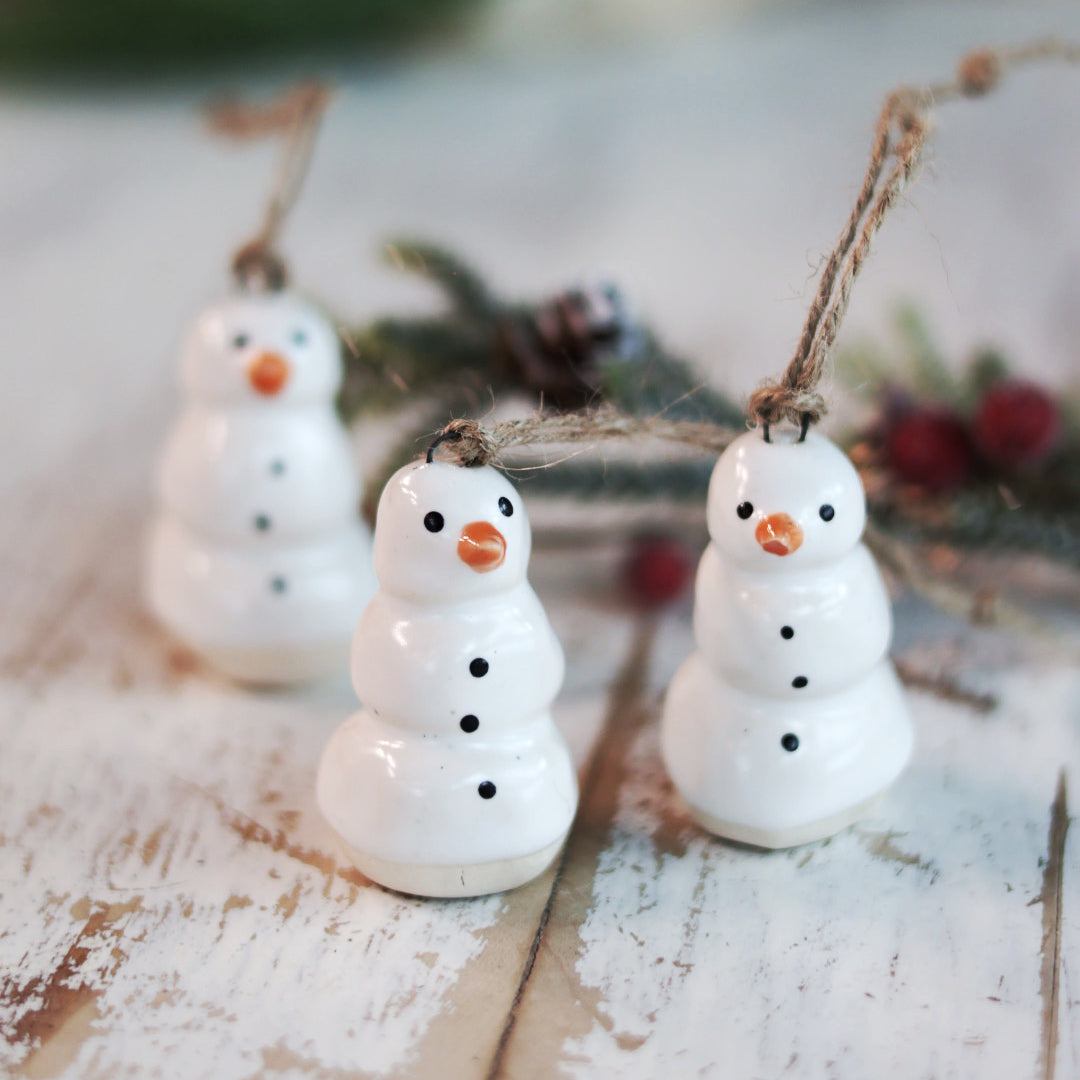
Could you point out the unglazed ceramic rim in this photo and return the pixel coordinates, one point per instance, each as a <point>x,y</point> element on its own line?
<point>457,880</point>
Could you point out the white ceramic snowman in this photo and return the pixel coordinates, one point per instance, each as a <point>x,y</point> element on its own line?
<point>452,780</point>
<point>257,558</point>
<point>788,722</point>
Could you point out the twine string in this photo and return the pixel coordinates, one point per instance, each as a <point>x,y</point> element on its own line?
<point>299,112</point>
<point>901,133</point>
<point>469,443</point>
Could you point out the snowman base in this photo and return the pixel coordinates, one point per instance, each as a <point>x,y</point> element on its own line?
<point>278,665</point>
<point>793,836</point>
<point>456,881</point>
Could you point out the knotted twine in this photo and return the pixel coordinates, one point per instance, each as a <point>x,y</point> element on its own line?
<point>257,264</point>
<point>469,443</point>
<point>900,135</point>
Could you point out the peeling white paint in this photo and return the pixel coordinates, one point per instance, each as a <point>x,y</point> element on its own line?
<point>908,946</point>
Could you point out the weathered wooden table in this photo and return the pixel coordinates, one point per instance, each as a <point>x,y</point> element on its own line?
<point>171,903</point>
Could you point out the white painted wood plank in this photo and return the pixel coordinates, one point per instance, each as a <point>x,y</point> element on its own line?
<point>909,946</point>
<point>171,897</point>
<point>170,900</point>
<point>1064,1042</point>
<point>159,854</point>
<point>176,842</point>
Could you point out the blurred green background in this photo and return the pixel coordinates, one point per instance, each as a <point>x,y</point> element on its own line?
<point>147,38</point>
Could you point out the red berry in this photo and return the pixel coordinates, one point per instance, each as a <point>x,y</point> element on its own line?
<point>657,571</point>
<point>1017,424</point>
<point>930,447</point>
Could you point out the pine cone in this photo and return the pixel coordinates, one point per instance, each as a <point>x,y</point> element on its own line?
<point>554,349</point>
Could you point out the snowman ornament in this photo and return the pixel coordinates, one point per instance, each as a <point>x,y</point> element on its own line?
<point>452,780</point>
<point>788,722</point>
<point>257,558</point>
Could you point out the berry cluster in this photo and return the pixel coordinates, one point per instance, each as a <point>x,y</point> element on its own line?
<point>1015,427</point>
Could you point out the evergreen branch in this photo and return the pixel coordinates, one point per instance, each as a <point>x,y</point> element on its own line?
<point>466,290</point>
<point>620,481</point>
<point>929,374</point>
<point>972,604</point>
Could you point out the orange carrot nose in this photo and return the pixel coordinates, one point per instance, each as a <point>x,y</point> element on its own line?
<point>268,373</point>
<point>481,546</point>
<point>779,534</point>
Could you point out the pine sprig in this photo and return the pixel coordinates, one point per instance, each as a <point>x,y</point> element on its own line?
<point>990,507</point>
<point>621,481</point>
<point>581,348</point>
<point>466,290</point>
<point>990,518</point>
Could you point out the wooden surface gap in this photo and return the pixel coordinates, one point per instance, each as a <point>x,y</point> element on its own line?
<point>628,686</point>
<point>511,1017</point>
<point>1051,897</point>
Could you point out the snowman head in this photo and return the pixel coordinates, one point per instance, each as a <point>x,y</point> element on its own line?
<point>784,504</point>
<point>261,348</point>
<point>445,533</point>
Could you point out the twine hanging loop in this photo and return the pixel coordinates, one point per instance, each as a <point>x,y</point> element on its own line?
<point>900,136</point>
<point>469,443</point>
<point>298,112</point>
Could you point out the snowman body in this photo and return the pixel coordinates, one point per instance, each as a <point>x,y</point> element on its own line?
<point>452,780</point>
<point>257,558</point>
<point>788,722</point>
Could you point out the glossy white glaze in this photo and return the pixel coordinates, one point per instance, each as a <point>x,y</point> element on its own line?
<point>784,477</point>
<point>257,558</point>
<point>788,720</point>
<point>837,614</point>
<point>229,337</point>
<point>413,563</point>
<point>457,667</point>
<point>428,651</point>
<point>223,467</point>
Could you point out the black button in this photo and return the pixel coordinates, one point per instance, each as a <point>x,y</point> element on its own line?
<point>469,724</point>
<point>827,513</point>
<point>799,681</point>
<point>744,510</point>
<point>433,521</point>
<point>487,790</point>
<point>787,633</point>
<point>790,742</point>
<point>478,668</point>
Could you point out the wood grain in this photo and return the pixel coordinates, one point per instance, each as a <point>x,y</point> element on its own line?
<point>170,897</point>
<point>171,904</point>
<point>904,947</point>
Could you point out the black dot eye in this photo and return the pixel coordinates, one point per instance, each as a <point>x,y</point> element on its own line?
<point>506,507</point>
<point>827,512</point>
<point>790,742</point>
<point>486,790</point>
<point>433,521</point>
<point>744,510</point>
<point>241,341</point>
<point>299,337</point>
